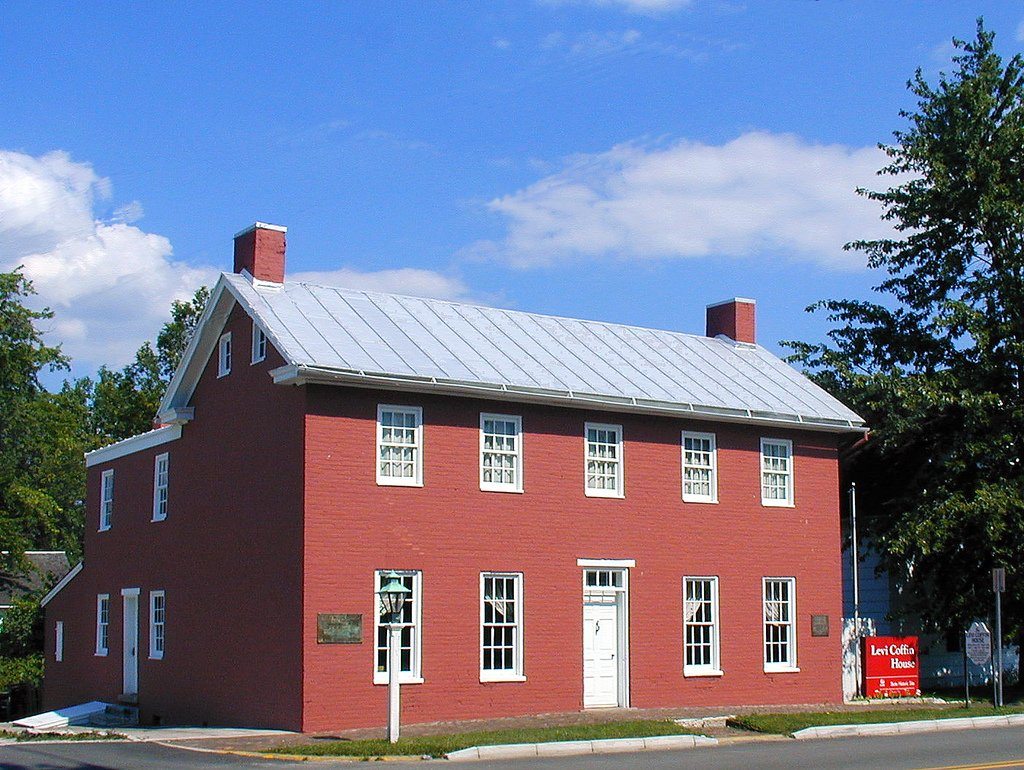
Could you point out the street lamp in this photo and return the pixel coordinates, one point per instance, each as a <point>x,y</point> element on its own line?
<point>393,595</point>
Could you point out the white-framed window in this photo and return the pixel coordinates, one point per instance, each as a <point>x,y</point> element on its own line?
<point>157,621</point>
<point>259,344</point>
<point>102,624</point>
<point>700,468</point>
<point>501,627</point>
<point>779,623</point>
<point>224,355</point>
<point>776,472</point>
<point>603,460</point>
<point>410,639</point>
<point>400,445</point>
<point>161,476</point>
<point>106,499</point>
<point>58,641</point>
<point>501,452</point>
<point>700,627</point>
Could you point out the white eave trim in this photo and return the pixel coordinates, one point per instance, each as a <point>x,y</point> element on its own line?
<point>133,444</point>
<point>176,415</point>
<point>63,582</point>
<point>293,374</point>
<point>606,563</point>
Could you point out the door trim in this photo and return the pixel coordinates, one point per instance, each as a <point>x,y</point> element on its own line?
<point>621,619</point>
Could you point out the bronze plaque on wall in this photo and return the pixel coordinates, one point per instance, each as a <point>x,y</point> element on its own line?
<point>335,628</point>
<point>819,625</point>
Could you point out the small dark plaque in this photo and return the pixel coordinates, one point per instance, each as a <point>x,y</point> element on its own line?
<point>334,628</point>
<point>819,625</point>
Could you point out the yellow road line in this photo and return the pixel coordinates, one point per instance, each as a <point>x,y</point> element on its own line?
<point>984,766</point>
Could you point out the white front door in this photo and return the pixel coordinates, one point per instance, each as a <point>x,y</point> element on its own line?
<point>600,651</point>
<point>131,641</point>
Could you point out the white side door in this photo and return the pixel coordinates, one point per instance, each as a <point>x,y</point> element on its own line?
<point>600,648</point>
<point>130,655</point>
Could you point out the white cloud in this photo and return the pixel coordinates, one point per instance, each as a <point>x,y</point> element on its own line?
<point>405,280</point>
<point>760,195</point>
<point>110,284</point>
<point>633,6</point>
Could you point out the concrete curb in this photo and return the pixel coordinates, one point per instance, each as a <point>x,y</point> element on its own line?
<point>572,748</point>
<point>901,728</point>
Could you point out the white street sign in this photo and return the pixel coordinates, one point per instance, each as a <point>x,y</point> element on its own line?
<point>979,643</point>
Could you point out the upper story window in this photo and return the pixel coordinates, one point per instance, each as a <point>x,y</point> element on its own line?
<point>700,626</point>
<point>102,624</point>
<point>160,483</point>
<point>776,472</point>
<point>603,459</point>
<point>410,640</point>
<point>501,627</point>
<point>501,453</point>
<point>157,621</point>
<point>106,499</point>
<point>700,468</point>
<point>259,344</point>
<point>400,445</point>
<point>224,355</point>
<point>779,624</point>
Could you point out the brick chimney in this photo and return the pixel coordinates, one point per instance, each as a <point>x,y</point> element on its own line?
<point>259,250</point>
<point>734,318</point>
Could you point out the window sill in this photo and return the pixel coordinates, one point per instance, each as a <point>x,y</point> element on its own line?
<point>100,654</point>
<point>501,489</point>
<point>222,375</point>
<point>389,483</point>
<point>161,518</point>
<point>712,672</point>
<point>156,657</point>
<point>700,500</point>
<point>496,677</point>
<point>775,504</point>
<point>787,670</point>
<point>104,529</point>
<point>257,361</point>
<point>401,680</point>
<point>599,494</point>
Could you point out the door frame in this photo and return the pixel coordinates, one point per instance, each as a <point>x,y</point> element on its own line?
<point>621,566</point>
<point>130,639</point>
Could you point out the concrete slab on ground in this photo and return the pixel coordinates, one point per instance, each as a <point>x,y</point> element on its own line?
<point>574,748</point>
<point>919,726</point>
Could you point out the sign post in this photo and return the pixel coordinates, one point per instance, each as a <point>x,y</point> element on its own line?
<point>998,586</point>
<point>977,647</point>
<point>891,666</point>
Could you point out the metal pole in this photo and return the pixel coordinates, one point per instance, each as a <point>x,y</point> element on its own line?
<point>856,581</point>
<point>394,663</point>
<point>967,676</point>
<point>999,649</point>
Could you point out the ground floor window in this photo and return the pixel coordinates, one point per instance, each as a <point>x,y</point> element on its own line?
<point>779,624</point>
<point>157,620</point>
<point>410,639</point>
<point>102,623</point>
<point>501,626</point>
<point>700,626</point>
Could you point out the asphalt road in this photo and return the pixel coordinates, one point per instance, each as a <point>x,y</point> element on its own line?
<point>960,750</point>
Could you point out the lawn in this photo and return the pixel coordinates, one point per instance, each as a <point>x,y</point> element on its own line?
<point>439,745</point>
<point>786,724</point>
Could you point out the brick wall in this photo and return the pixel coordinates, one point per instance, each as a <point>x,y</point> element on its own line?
<point>228,556</point>
<point>452,531</point>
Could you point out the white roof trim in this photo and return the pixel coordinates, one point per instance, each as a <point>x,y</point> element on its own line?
<point>63,582</point>
<point>300,375</point>
<point>606,562</point>
<point>132,445</point>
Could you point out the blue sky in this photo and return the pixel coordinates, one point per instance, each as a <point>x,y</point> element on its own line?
<point>625,160</point>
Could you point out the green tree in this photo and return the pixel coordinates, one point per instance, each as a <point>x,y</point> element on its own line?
<point>937,365</point>
<point>30,515</point>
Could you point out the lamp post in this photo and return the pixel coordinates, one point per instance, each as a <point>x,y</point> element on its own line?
<point>393,595</point>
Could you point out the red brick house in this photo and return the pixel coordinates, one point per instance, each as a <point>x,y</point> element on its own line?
<point>587,515</point>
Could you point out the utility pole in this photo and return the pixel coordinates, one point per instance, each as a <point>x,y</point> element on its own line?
<point>856,579</point>
<point>998,586</point>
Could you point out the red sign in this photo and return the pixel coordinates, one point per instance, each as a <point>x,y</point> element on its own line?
<point>890,666</point>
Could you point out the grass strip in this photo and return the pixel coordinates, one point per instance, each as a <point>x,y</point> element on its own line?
<point>23,737</point>
<point>439,745</point>
<point>787,724</point>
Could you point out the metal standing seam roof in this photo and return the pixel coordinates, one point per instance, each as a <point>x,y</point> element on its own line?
<point>372,334</point>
